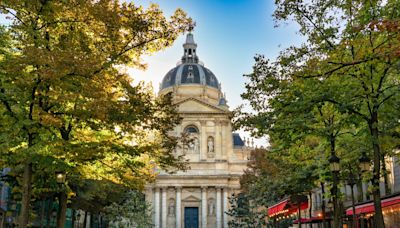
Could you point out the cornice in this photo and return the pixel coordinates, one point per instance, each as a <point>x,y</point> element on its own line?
<point>204,103</point>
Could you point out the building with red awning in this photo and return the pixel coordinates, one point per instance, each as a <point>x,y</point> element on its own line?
<point>289,208</point>
<point>368,207</point>
<point>390,209</point>
<point>286,208</point>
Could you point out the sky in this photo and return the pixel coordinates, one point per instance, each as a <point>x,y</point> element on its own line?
<point>228,33</point>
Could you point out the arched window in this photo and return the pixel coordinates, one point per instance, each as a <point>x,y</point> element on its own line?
<point>191,129</point>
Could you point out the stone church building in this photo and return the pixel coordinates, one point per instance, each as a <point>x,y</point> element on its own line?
<point>217,157</point>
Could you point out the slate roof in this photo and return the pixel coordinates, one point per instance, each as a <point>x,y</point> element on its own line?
<point>237,140</point>
<point>189,73</point>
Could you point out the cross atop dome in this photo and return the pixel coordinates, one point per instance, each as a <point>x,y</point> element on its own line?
<point>191,26</point>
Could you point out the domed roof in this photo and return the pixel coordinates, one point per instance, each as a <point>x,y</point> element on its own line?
<point>189,71</point>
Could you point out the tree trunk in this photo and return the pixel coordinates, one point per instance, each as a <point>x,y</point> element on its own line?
<point>62,210</point>
<point>42,211</point>
<point>353,207</point>
<point>334,191</point>
<point>360,190</point>
<point>385,176</point>
<point>73,218</point>
<point>100,219</point>
<point>91,220</point>
<point>323,205</point>
<point>26,195</point>
<point>85,220</point>
<point>336,207</point>
<point>373,126</point>
<point>310,208</point>
<point>49,212</point>
<point>299,211</point>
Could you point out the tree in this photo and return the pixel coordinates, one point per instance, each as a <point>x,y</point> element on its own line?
<point>244,213</point>
<point>64,97</point>
<point>353,50</point>
<point>133,211</point>
<point>349,60</point>
<point>271,176</point>
<point>298,124</point>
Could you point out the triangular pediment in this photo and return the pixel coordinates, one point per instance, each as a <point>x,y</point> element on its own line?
<point>191,199</point>
<point>196,105</point>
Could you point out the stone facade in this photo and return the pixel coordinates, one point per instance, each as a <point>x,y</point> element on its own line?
<point>216,158</point>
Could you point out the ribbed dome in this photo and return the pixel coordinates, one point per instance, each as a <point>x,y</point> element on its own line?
<point>189,71</point>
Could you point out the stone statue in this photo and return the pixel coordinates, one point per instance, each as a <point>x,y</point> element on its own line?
<point>210,145</point>
<point>191,147</point>
<point>171,208</point>
<point>211,207</point>
<point>196,145</point>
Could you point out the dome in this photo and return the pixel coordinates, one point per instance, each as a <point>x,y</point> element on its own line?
<point>189,70</point>
<point>189,73</point>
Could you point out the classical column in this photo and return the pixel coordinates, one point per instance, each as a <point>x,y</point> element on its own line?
<point>178,207</point>
<point>204,207</point>
<point>203,140</point>
<point>223,140</point>
<point>157,207</point>
<point>164,208</point>
<point>218,142</point>
<point>218,207</point>
<point>149,195</point>
<point>225,207</point>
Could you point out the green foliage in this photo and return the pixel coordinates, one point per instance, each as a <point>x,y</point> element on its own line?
<point>95,195</point>
<point>244,212</point>
<point>337,93</point>
<point>272,176</point>
<point>65,102</point>
<point>133,211</point>
<point>62,86</point>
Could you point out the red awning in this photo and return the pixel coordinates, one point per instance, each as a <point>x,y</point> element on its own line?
<point>285,207</point>
<point>369,207</point>
<point>278,208</point>
<point>294,208</point>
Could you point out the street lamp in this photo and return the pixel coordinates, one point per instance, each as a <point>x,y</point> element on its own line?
<point>351,181</point>
<point>78,217</point>
<point>334,165</point>
<point>330,204</point>
<point>364,162</point>
<point>62,199</point>
<point>60,177</point>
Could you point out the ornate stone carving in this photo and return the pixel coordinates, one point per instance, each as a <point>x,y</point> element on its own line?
<point>171,207</point>
<point>210,147</point>
<point>210,144</point>
<point>211,207</point>
<point>194,145</point>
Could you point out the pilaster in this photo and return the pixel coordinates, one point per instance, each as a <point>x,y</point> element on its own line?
<point>204,207</point>
<point>164,208</point>
<point>218,207</point>
<point>225,207</point>
<point>157,207</point>
<point>178,207</point>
